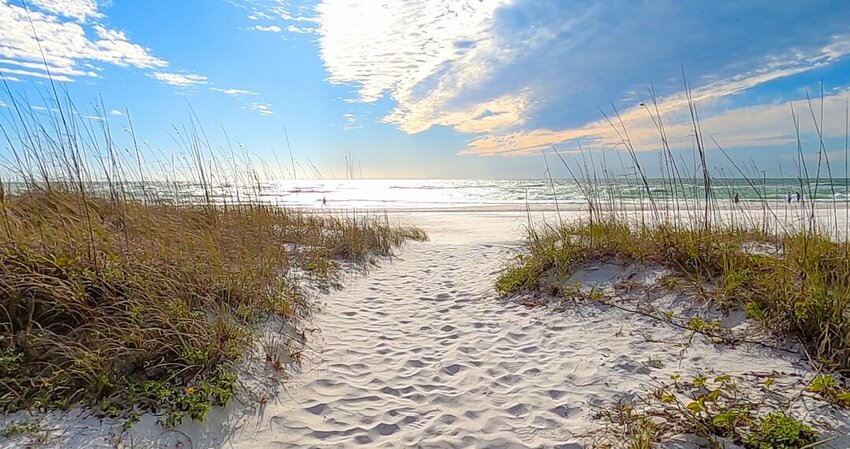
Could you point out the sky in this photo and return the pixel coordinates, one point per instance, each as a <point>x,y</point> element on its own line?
<point>442,88</point>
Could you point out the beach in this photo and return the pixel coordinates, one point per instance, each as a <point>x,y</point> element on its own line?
<point>424,224</point>
<point>422,352</point>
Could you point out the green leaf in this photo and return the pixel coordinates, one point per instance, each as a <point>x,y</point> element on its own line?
<point>713,395</point>
<point>696,406</point>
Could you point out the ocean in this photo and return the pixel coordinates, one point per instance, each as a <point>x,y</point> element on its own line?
<point>511,193</point>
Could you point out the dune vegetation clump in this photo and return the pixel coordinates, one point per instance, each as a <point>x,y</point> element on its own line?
<point>786,265</point>
<point>803,290</point>
<point>133,295</point>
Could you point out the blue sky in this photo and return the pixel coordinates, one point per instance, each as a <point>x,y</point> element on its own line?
<point>441,88</point>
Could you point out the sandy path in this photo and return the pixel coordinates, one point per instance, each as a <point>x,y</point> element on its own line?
<point>417,354</point>
<point>422,354</point>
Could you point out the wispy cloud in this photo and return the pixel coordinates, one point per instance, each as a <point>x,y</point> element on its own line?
<point>233,92</point>
<point>288,17</point>
<point>116,112</point>
<point>69,38</point>
<point>350,121</point>
<point>300,30</point>
<point>268,28</point>
<point>80,10</point>
<point>180,79</point>
<point>259,15</point>
<point>262,108</point>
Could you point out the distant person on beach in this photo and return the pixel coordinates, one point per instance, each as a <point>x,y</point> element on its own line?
<point>799,197</point>
<point>737,198</point>
<point>324,202</point>
<point>788,197</point>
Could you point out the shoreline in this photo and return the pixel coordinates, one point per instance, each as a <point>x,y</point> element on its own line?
<point>778,206</point>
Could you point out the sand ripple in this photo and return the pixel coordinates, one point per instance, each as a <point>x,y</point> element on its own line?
<point>408,359</point>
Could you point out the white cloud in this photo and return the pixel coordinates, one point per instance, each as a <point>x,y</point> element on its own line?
<point>517,71</point>
<point>274,10</point>
<point>180,79</point>
<point>742,127</point>
<point>262,108</point>
<point>429,56</point>
<point>116,112</point>
<point>233,92</point>
<point>350,121</point>
<point>269,28</point>
<point>35,74</point>
<point>75,9</point>
<point>485,116</point>
<point>300,30</point>
<point>259,15</point>
<point>67,45</point>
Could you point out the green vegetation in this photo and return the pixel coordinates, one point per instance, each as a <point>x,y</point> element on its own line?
<point>803,290</point>
<point>134,295</point>
<point>21,427</point>
<point>777,431</point>
<point>148,305</point>
<point>713,409</point>
<point>827,387</point>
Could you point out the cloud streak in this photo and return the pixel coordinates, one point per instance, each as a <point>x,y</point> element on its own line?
<point>233,92</point>
<point>264,109</point>
<point>268,29</point>
<point>66,39</point>
<point>79,10</point>
<point>180,79</point>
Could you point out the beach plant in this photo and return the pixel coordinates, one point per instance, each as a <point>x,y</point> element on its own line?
<point>715,409</point>
<point>828,388</point>
<point>778,431</point>
<point>19,427</point>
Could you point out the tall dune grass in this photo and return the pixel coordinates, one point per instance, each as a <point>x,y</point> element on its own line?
<point>120,291</point>
<point>799,289</point>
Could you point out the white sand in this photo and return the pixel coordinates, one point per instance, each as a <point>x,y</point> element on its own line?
<point>421,353</point>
